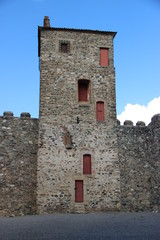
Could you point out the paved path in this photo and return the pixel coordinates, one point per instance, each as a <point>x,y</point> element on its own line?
<point>82,226</point>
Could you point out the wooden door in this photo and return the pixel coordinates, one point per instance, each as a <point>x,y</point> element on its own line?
<point>79,191</point>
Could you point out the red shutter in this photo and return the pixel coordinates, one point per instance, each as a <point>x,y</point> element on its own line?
<point>100,111</point>
<point>79,191</point>
<point>87,164</point>
<point>103,57</point>
<point>83,90</point>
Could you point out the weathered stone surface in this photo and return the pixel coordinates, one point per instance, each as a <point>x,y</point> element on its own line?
<point>18,166</point>
<point>25,115</point>
<point>60,164</point>
<point>8,114</point>
<point>140,123</point>
<point>128,123</point>
<point>139,158</point>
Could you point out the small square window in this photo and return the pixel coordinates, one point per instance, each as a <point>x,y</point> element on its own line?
<point>64,46</point>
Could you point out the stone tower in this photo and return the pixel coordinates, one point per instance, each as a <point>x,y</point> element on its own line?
<point>78,169</point>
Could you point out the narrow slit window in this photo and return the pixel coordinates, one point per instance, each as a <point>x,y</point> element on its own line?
<point>104,57</point>
<point>87,164</point>
<point>100,111</point>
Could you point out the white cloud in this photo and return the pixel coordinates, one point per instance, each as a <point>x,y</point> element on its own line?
<point>136,112</point>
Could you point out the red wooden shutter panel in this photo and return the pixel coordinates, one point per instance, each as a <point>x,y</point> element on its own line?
<point>82,92</point>
<point>79,191</point>
<point>83,86</point>
<point>100,111</point>
<point>87,164</point>
<point>104,57</point>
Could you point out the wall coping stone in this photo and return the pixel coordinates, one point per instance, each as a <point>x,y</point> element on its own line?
<point>118,122</point>
<point>25,115</point>
<point>155,118</point>
<point>140,124</point>
<point>128,123</point>
<point>8,114</point>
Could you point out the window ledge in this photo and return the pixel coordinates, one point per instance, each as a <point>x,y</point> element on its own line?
<point>84,104</point>
<point>104,66</point>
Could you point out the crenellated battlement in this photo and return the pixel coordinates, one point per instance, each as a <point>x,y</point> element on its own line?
<point>155,120</point>
<point>129,123</point>
<point>9,115</point>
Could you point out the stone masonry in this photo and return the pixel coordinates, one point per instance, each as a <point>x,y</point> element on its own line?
<point>58,166</point>
<point>18,164</point>
<point>42,160</point>
<point>139,158</point>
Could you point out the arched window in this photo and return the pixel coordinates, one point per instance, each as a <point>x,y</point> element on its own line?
<point>100,111</point>
<point>87,164</point>
<point>83,90</point>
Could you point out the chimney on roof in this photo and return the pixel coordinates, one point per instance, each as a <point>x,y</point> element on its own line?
<point>46,22</point>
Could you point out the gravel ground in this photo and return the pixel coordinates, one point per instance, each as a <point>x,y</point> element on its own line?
<point>95,226</point>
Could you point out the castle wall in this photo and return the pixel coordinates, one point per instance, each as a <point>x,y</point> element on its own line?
<point>41,159</point>
<point>139,151</point>
<point>59,166</point>
<point>18,164</point>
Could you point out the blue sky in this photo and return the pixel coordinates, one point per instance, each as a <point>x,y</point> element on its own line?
<point>136,48</point>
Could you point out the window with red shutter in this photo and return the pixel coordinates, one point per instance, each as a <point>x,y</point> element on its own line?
<point>83,90</point>
<point>87,164</point>
<point>100,111</point>
<point>104,57</point>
